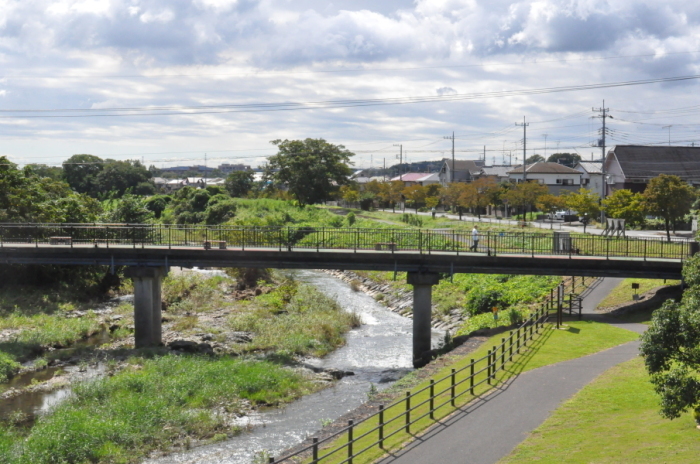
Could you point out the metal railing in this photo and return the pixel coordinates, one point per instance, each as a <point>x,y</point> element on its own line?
<point>355,239</point>
<point>439,398</point>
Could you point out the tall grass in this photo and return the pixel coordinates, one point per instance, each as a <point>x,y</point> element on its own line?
<point>120,419</point>
<point>294,318</point>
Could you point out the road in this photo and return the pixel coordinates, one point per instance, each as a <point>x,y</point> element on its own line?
<point>489,428</point>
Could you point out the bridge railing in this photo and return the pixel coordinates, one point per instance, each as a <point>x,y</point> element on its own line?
<point>356,239</point>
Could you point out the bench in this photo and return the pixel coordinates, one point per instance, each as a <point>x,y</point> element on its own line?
<point>220,244</point>
<point>385,246</point>
<point>60,240</point>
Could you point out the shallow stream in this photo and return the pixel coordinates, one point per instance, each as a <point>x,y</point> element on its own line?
<point>378,353</point>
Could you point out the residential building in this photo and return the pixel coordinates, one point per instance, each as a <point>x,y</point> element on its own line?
<point>417,178</point>
<point>227,168</point>
<point>557,177</point>
<point>591,176</point>
<point>633,166</point>
<point>462,171</point>
<point>497,173</point>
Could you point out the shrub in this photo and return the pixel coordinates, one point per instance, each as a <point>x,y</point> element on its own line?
<point>481,300</point>
<point>8,367</point>
<point>351,218</point>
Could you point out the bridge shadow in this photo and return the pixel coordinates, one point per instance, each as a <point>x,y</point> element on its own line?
<point>505,377</point>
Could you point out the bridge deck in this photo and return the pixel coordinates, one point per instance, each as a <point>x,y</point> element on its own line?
<point>305,258</point>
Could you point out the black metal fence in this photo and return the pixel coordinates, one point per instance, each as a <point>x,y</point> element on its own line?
<point>356,239</point>
<point>391,425</point>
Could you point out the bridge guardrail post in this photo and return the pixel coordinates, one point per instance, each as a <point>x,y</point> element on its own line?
<point>471,377</point>
<point>432,398</point>
<point>381,426</point>
<point>408,412</point>
<point>350,440</point>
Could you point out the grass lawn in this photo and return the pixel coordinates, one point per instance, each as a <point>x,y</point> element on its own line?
<point>623,292</point>
<point>614,419</point>
<point>581,338</point>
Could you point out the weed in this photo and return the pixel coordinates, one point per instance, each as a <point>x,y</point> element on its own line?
<point>355,285</point>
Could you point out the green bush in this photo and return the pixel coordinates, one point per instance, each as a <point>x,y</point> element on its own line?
<point>8,367</point>
<point>482,300</point>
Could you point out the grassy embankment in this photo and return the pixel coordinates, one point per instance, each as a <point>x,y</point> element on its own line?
<point>614,419</point>
<point>622,294</point>
<point>475,294</point>
<point>582,338</point>
<point>159,398</point>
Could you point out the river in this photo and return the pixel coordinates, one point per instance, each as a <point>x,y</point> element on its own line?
<point>379,353</point>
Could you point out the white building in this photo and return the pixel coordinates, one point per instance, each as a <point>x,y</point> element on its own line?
<point>557,177</point>
<point>591,176</point>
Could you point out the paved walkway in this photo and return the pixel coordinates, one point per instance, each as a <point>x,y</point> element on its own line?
<point>487,429</point>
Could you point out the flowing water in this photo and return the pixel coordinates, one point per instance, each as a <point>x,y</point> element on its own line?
<point>379,353</point>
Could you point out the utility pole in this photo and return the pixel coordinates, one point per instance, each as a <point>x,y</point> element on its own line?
<point>400,145</point>
<point>669,133</point>
<point>545,146</point>
<point>524,125</point>
<point>384,170</point>
<point>484,155</point>
<point>452,171</point>
<point>205,170</point>
<point>604,115</point>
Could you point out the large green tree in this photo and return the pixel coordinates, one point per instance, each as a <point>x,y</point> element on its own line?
<point>311,169</point>
<point>118,177</point>
<point>671,348</point>
<point>669,197</point>
<point>627,205</point>
<point>585,202</point>
<point>567,159</point>
<point>80,171</point>
<point>239,183</point>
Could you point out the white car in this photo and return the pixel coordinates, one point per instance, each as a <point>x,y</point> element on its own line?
<point>559,215</point>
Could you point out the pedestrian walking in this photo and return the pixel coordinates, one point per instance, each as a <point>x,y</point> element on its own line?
<point>475,238</point>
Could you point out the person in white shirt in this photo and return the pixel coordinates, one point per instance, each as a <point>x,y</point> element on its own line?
<point>475,238</point>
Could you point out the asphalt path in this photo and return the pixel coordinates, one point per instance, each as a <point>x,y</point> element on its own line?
<point>487,429</point>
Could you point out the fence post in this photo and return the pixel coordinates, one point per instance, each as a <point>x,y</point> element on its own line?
<point>494,362</point>
<point>350,440</point>
<point>381,426</point>
<point>488,369</point>
<point>607,248</point>
<point>432,398</point>
<point>408,412</point>
<point>452,387</point>
<point>314,451</point>
<point>503,353</point>
<point>517,341</point>
<point>471,377</point>
<point>510,347</point>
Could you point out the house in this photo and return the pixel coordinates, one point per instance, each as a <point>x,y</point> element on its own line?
<point>591,176</point>
<point>633,166</point>
<point>497,173</point>
<point>227,168</point>
<point>557,177</point>
<point>462,171</point>
<point>417,178</point>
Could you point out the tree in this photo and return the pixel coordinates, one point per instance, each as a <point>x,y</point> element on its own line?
<point>130,209</point>
<point>239,183</point>
<point>118,177</point>
<point>478,194</point>
<point>585,202</point>
<point>451,194</point>
<point>349,194</point>
<point>549,203</point>
<point>567,159</point>
<point>525,195</point>
<point>309,168</point>
<point>670,348</point>
<point>669,197</point>
<point>80,171</point>
<point>534,159</point>
<point>416,194</point>
<point>42,170</point>
<point>391,193</point>
<point>627,205</point>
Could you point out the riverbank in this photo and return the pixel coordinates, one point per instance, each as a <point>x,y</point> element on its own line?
<point>229,350</point>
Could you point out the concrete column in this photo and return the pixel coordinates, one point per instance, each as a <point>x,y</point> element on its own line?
<point>422,307</point>
<point>147,305</point>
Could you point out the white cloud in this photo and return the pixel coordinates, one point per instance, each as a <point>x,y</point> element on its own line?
<point>201,52</point>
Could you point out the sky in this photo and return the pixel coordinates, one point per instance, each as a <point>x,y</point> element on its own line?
<point>178,82</point>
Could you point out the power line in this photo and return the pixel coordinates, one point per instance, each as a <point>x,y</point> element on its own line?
<point>328,104</point>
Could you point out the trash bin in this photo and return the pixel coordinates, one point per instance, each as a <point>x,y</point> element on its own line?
<point>562,242</point>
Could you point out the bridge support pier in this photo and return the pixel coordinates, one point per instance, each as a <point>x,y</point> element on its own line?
<point>147,305</point>
<point>422,308</point>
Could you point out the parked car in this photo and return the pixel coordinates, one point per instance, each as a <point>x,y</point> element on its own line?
<point>561,215</point>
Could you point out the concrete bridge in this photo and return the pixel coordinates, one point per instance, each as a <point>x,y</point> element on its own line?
<point>148,251</point>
